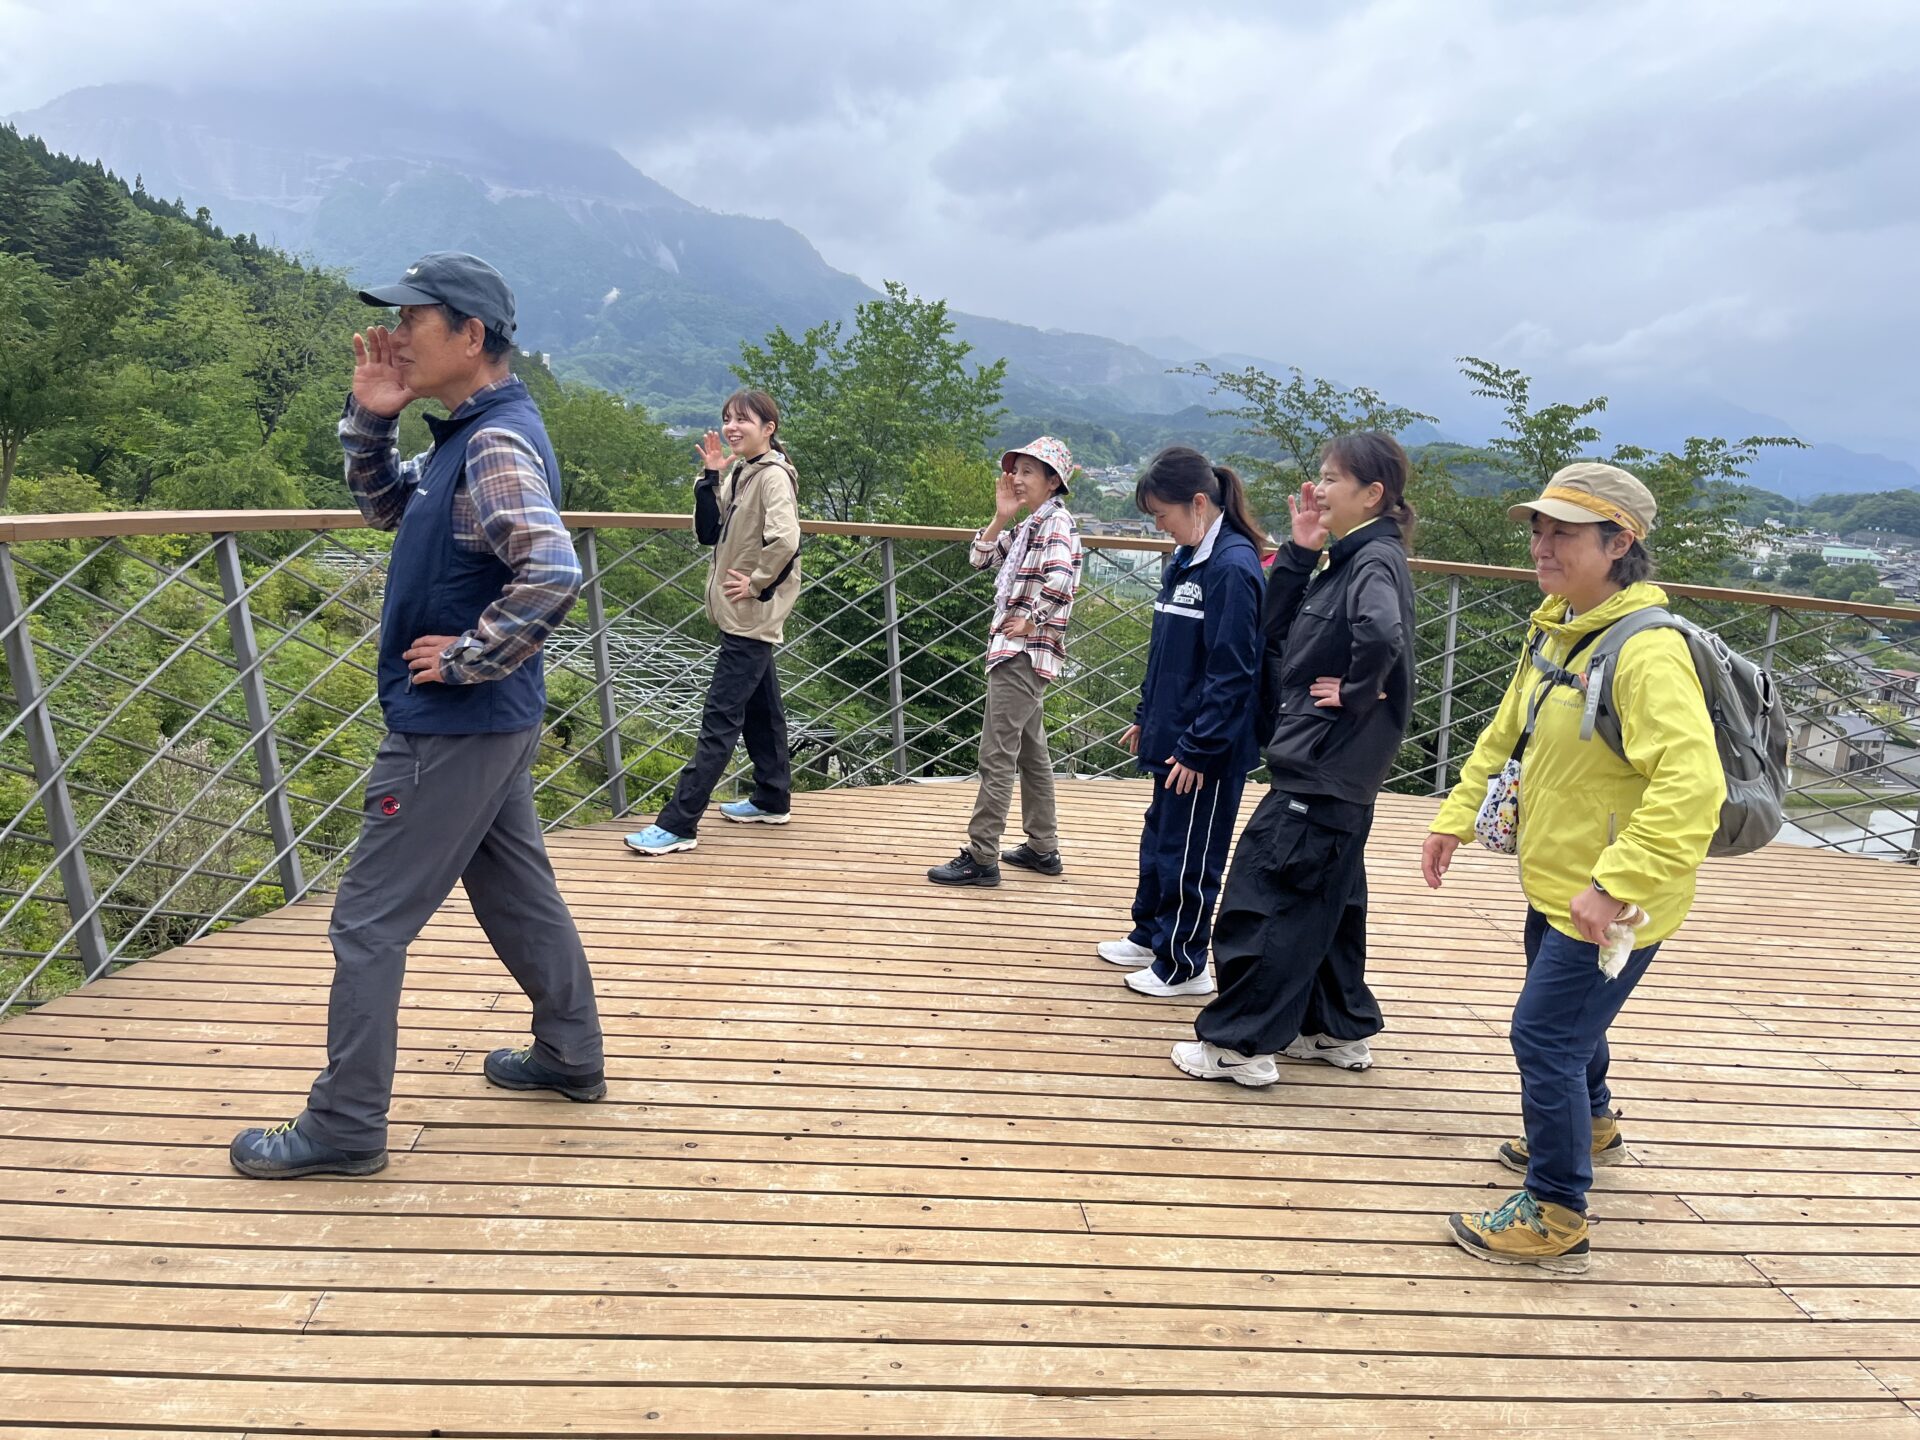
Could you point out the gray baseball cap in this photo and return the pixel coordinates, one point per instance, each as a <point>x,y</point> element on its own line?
<point>452,277</point>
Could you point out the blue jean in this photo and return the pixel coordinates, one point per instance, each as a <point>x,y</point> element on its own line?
<point>1559,1036</point>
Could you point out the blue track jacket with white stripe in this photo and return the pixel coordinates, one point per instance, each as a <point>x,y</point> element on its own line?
<point>1200,698</point>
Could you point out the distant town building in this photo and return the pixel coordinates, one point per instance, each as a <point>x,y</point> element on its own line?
<point>1842,744</point>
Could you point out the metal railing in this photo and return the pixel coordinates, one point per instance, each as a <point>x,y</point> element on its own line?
<point>194,713</point>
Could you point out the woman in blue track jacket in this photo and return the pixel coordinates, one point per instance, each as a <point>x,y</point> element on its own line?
<point>1195,729</point>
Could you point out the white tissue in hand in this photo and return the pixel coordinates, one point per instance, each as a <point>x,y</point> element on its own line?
<point>1619,942</point>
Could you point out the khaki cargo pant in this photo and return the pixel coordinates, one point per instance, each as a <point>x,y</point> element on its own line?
<point>1013,740</point>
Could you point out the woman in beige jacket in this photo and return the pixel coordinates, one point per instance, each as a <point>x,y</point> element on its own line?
<point>748,510</point>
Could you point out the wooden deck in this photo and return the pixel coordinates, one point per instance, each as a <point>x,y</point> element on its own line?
<point>885,1160</point>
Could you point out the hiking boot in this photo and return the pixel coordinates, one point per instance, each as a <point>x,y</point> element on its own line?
<point>745,812</point>
<point>1525,1231</point>
<point>655,841</point>
<point>283,1153</point>
<point>1148,982</point>
<point>1028,858</point>
<point>1347,1054</point>
<point>1124,952</point>
<point>1609,1146</point>
<point>518,1070</point>
<point>1206,1061</point>
<point>963,869</point>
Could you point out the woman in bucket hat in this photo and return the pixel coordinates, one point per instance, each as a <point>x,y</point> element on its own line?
<point>1038,564</point>
<point>1603,842</point>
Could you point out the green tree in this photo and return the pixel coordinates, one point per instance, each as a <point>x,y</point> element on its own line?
<point>88,226</point>
<point>614,455</point>
<point>857,410</point>
<point>1801,570</point>
<point>1701,526</point>
<point>1701,506</point>
<point>302,323</point>
<point>1297,416</point>
<point>23,198</point>
<point>50,337</point>
<point>1535,442</point>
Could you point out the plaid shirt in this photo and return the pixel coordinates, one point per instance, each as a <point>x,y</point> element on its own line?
<point>1041,589</point>
<point>502,505</point>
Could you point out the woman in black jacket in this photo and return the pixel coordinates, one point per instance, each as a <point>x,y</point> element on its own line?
<point>1289,946</point>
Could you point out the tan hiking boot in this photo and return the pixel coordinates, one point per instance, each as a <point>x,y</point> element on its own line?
<point>1609,1146</point>
<point>1524,1231</point>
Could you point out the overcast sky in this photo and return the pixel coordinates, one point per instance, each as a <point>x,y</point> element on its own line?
<point>1626,197</point>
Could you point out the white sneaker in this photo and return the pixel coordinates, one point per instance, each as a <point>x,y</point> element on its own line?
<point>1124,952</point>
<point>1148,983</point>
<point>1205,1061</point>
<point>1347,1054</point>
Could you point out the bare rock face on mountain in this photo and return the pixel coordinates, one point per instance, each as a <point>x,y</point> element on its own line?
<point>619,279</point>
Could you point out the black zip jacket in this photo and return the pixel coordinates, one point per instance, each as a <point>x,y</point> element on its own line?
<point>1353,619</point>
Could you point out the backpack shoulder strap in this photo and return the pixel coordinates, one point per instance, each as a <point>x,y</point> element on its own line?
<point>1600,713</point>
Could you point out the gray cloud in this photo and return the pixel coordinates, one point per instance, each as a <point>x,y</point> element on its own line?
<point>1650,193</point>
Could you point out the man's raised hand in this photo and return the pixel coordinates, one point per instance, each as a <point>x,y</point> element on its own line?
<point>379,382</point>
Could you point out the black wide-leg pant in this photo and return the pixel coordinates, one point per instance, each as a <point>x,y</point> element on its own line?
<point>1290,938</point>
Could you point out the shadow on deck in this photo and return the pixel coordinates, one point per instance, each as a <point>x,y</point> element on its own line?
<point>885,1160</point>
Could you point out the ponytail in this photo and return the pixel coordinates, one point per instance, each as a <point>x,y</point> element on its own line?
<point>1179,473</point>
<point>1233,504</point>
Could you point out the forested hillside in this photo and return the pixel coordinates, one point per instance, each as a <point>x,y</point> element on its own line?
<point>149,359</point>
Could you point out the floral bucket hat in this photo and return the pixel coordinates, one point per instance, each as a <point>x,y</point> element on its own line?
<point>1049,452</point>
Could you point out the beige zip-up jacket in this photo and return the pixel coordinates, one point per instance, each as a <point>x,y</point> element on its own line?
<point>750,514</point>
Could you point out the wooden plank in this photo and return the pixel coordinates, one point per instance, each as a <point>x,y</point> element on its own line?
<point>1424,1251</point>
<point>507,1362</point>
<point>826,1284</point>
<point>701,1317</point>
<point>925,1115</point>
<point>852,1166</point>
<point>847,1076</point>
<point>630,1411</point>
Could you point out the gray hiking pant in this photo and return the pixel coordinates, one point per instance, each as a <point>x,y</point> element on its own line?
<point>1013,741</point>
<point>441,809</point>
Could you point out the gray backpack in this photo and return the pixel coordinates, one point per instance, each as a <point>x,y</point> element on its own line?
<point>1749,722</point>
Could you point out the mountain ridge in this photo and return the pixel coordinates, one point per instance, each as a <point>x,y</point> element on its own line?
<point>627,284</point>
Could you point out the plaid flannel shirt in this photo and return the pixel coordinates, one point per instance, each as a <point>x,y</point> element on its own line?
<point>502,505</point>
<point>1042,589</point>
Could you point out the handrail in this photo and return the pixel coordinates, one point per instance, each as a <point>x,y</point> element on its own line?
<point>99,525</point>
<point>168,782</point>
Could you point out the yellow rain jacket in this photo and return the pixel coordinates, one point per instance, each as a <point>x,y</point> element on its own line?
<point>1639,826</point>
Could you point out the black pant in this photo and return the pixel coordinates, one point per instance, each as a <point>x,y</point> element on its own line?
<point>1290,941</point>
<point>743,697</point>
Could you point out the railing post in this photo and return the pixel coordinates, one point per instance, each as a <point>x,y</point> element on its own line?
<point>1773,636</point>
<point>1444,741</point>
<point>896,699</point>
<point>56,802</point>
<point>603,671</point>
<point>253,687</point>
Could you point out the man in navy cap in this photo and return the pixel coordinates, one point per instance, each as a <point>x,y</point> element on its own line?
<point>481,572</point>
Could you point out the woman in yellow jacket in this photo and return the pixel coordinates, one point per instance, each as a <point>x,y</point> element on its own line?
<point>1602,840</point>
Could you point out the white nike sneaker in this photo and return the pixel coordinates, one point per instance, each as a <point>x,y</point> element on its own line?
<point>1148,983</point>
<point>1347,1054</point>
<point>1205,1061</point>
<point>1124,952</point>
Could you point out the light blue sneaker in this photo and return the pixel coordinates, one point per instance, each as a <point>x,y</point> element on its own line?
<point>748,813</point>
<point>655,841</point>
